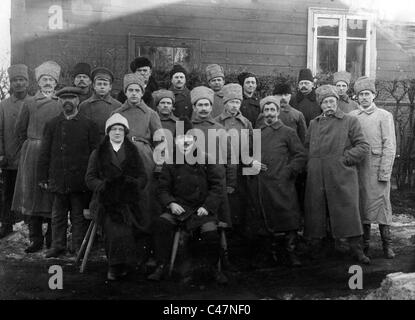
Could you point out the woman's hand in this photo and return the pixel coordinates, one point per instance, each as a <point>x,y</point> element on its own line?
<point>202,212</point>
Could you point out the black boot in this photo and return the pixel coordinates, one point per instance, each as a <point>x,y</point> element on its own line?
<point>386,241</point>
<point>356,250</point>
<point>54,253</point>
<point>48,236</point>
<point>366,238</point>
<point>5,230</point>
<point>290,239</point>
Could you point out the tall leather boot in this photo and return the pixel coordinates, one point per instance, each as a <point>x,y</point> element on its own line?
<point>366,238</point>
<point>290,239</point>
<point>356,250</point>
<point>386,241</point>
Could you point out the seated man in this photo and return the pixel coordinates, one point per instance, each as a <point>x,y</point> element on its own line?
<point>191,194</point>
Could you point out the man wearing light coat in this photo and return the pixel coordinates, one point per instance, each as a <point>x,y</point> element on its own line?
<point>375,171</point>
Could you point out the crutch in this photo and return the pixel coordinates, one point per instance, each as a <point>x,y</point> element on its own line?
<point>88,248</point>
<point>174,250</point>
<point>84,242</point>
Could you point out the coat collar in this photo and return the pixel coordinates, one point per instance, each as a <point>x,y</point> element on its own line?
<point>311,96</point>
<point>338,114</point>
<point>40,96</point>
<point>62,117</point>
<point>14,99</point>
<point>369,110</point>
<point>276,125</point>
<point>345,98</point>
<point>126,106</point>
<point>224,115</point>
<point>210,120</point>
<point>171,117</point>
<point>106,99</point>
<point>254,97</point>
<point>219,93</point>
<point>286,108</point>
<point>184,91</point>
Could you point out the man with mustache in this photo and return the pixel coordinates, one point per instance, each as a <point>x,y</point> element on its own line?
<point>164,101</point>
<point>305,100</point>
<point>215,77</point>
<point>376,169</point>
<point>100,105</point>
<point>68,139</point>
<point>82,79</point>
<point>28,197</point>
<point>282,158</point>
<point>336,145</point>
<point>9,154</point>
<point>250,103</point>
<point>341,80</point>
<point>182,105</point>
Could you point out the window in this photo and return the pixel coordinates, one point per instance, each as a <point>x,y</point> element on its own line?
<point>339,40</point>
<point>164,52</point>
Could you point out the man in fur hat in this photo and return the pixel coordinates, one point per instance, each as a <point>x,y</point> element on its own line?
<point>9,155</point>
<point>144,68</point>
<point>250,103</point>
<point>164,101</point>
<point>336,144</point>
<point>341,80</point>
<point>28,197</point>
<point>376,169</point>
<point>67,142</point>
<point>194,211</point>
<point>305,100</point>
<point>215,77</point>
<point>82,79</point>
<point>182,104</point>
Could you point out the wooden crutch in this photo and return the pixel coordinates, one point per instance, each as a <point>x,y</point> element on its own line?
<point>174,250</point>
<point>84,242</point>
<point>88,248</point>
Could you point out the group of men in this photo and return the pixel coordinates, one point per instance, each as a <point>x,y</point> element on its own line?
<point>325,159</point>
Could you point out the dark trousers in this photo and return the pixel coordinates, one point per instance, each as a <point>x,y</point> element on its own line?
<point>7,216</point>
<point>35,228</point>
<point>62,204</point>
<point>121,243</point>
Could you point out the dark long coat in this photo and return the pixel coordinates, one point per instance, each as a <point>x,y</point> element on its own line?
<point>182,103</point>
<point>307,104</point>
<point>285,157</point>
<point>250,108</point>
<point>336,145</point>
<point>65,151</point>
<point>192,187</point>
<point>117,185</point>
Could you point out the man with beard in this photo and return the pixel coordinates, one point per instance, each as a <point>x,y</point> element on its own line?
<point>216,80</point>
<point>190,193</point>
<point>182,103</point>
<point>250,103</point>
<point>376,169</point>
<point>144,68</point>
<point>341,80</point>
<point>282,158</point>
<point>289,116</point>
<point>336,145</point>
<point>82,79</point>
<point>100,105</point>
<point>29,198</point>
<point>9,154</point>
<point>305,99</point>
<point>67,142</point>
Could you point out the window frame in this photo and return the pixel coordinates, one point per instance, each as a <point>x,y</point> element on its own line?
<point>343,15</point>
<point>193,44</point>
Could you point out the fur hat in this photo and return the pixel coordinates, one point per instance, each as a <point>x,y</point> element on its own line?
<point>117,118</point>
<point>282,88</point>
<point>81,68</point>
<point>201,92</point>
<point>231,91</point>
<point>18,70</point>
<point>177,68</point>
<point>342,76</point>
<point>102,73</point>
<point>49,68</point>
<point>364,83</point>
<point>140,62</point>
<point>244,75</point>
<point>134,78</point>
<point>305,74</point>
<point>214,71</point>
<point>269,99</point>
<point>326,91</point>
<point>162,93</point>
